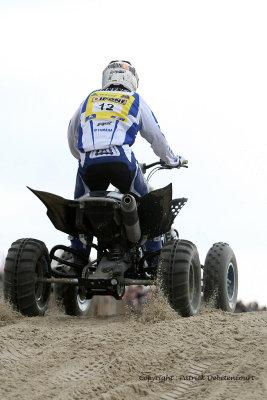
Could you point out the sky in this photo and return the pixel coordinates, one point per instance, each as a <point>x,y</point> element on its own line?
<point>202,70</point>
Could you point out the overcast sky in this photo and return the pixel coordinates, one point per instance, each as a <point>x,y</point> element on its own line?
<point>202,68</point>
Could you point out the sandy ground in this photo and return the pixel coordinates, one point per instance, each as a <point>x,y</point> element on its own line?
<point>154,354</point>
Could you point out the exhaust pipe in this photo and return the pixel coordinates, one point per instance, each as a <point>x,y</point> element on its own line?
<point>130,218</point>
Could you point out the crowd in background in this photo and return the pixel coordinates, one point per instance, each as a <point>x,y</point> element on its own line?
<point>136,296</point>
<point>252,306</point>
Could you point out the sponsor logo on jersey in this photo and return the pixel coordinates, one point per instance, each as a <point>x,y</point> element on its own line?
<point>102,130</point>
<point>113,99</point>
<point>104,123</point>
<point>111,151</point>
<point>125,96</point>
<point>114,116</point>
<point>90,117</point>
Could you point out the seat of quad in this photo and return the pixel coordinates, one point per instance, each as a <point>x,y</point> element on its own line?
<point>101,193</point>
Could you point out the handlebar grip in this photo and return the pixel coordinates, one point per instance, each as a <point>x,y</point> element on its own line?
<point>144,167</point>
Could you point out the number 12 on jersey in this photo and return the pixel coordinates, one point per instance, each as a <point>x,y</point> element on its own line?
<point>100,106</point>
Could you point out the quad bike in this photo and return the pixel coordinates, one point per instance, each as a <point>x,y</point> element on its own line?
<point>122,223</point>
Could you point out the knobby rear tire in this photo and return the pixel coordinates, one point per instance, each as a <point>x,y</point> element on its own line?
<point>27,259</point>
<point>180,275</point>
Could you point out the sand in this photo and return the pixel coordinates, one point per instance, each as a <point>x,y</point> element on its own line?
<point>153,354</point>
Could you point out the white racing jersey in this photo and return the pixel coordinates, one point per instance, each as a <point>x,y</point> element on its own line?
<point>113,118</point>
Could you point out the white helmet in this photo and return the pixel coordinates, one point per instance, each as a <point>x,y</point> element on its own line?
<point>120,73</point>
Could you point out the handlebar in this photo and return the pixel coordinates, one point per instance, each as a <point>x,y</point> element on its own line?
<point>144,167</point>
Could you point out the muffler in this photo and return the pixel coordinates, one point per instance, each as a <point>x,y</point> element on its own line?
<point>130,218</point>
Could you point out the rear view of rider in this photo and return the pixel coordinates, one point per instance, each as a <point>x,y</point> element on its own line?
<point>101,134</point>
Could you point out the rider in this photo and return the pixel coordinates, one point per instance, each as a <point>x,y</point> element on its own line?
<point>102,132</point>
